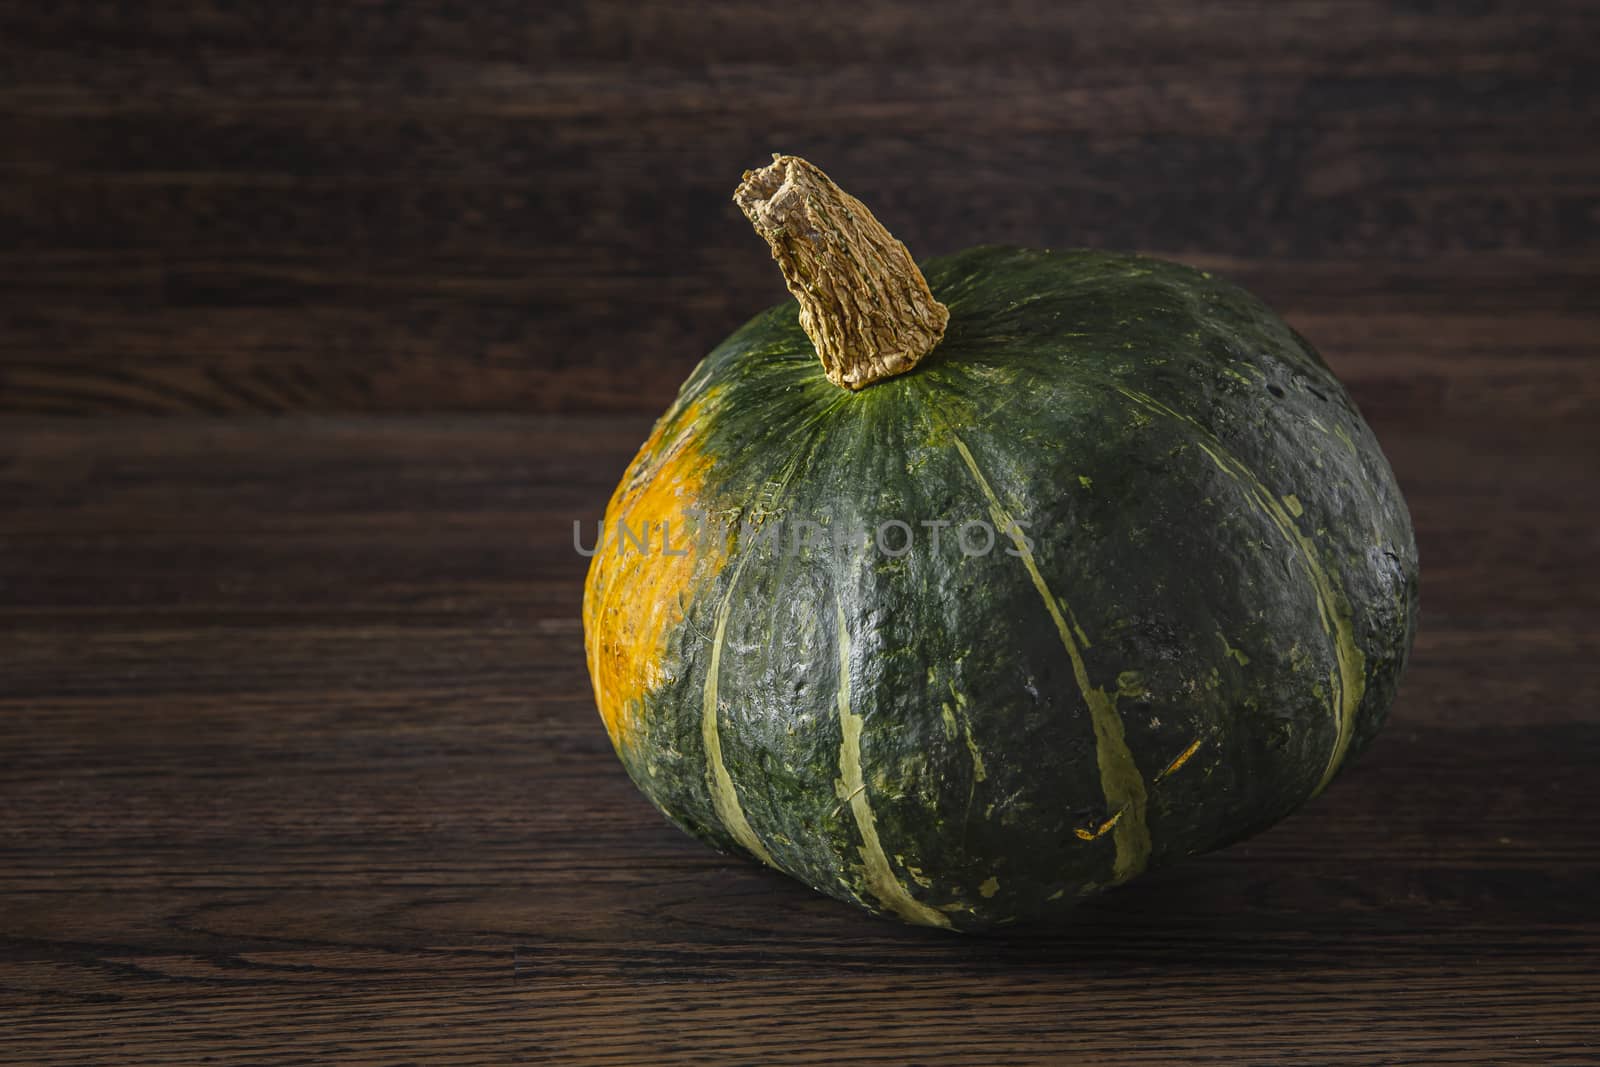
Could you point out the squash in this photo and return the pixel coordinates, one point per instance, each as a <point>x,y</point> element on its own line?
<point>1061,566</point>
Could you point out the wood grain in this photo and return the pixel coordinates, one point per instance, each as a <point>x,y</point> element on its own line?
<point>433,205</point>
<point>301,765</point>
<point>298,758</point>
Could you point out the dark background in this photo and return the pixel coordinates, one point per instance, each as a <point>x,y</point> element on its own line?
<point>492,206</point>
<point>298,755</point>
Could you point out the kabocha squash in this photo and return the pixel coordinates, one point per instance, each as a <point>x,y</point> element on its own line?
<point>1059,567</point>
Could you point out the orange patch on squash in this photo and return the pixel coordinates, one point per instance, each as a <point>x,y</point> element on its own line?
<point>635,599</point>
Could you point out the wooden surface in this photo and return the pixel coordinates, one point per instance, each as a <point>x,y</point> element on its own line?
<point>298,759</point>
<point>487,205</point>
<point>301,761</point>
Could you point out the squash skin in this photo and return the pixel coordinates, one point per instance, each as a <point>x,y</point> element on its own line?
<point>1211,618</point>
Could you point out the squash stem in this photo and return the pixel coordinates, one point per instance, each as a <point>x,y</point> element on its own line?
<point>863,302</point>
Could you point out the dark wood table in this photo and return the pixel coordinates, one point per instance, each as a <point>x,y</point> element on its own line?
<point>321,322</point>
<point>300,761</point>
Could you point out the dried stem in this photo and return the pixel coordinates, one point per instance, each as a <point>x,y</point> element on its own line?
<point>863,302</point>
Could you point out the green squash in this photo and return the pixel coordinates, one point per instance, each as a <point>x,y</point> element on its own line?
<point>1101,571</point>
